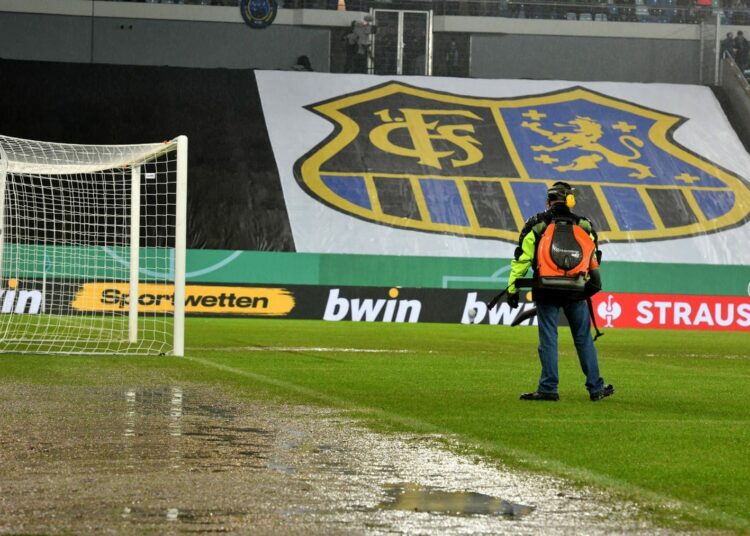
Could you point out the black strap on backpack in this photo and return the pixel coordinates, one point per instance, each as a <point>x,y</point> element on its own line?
<point>593,319</point>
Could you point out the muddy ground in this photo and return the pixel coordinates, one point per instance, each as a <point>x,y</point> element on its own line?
<point>174,459</point>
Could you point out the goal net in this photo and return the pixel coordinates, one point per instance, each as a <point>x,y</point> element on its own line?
<point>92,247</point>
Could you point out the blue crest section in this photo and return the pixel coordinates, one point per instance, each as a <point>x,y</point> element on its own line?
<point>444,202</point>
<point>714,203</point>
<point>351,188</point>
<point>628,209</point>
<point>584,141</point>
<point>531,197</point>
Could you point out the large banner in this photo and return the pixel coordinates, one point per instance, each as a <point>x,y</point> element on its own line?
<point>369,304</point>
<point>365,304</point>
<point>453,167</point>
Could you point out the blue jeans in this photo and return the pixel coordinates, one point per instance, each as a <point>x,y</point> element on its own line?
<point>578,317</point>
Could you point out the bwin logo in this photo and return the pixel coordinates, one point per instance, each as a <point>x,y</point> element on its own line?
<point>20,301</point>
<point>501,314</point>
<point>369,310</point>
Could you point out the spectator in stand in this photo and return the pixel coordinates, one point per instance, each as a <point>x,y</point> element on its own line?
<point>727,46</point>
<point>363,30</point>
<point>452,58</point>
<point>703,8</point>
<point>740,12</point>
<point>686,12</point>
<point>303,64</point>
<point>740,50</point>
<point>350,42</point>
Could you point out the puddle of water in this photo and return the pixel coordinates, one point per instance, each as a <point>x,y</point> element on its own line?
<point>168,459</point>
<point>138,515</point>
<point>415,498</point>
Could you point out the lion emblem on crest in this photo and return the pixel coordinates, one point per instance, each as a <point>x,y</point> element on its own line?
<point>584,134</point>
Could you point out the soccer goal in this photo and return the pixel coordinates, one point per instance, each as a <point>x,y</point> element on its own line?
<point>92,247</point>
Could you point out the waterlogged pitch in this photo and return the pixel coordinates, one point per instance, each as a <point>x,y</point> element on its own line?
<point>673,438</point>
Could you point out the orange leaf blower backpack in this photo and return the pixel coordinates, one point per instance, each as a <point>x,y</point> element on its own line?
<point>565,255</point>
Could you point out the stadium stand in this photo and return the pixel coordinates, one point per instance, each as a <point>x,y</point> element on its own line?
<point>658,11</point>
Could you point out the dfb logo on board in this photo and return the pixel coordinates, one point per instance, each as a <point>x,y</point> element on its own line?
<point>420,159</point>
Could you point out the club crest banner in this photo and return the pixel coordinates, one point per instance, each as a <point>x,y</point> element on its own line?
<point>431,166</point>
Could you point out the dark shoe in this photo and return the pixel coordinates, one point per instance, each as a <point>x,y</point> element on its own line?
<point>608,390</point>
<point>540,396</point>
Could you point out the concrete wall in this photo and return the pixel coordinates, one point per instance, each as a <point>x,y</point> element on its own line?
<point>207,44</point>
<point>215,36</point>
<point>583,58</point>
<point>131,41</point>
<point>63,38</point>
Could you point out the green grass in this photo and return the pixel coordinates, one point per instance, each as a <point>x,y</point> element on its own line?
<point>678,428</point>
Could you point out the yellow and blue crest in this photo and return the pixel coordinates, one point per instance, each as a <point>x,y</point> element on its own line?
<point>419,159</point>
<point>258,14</point>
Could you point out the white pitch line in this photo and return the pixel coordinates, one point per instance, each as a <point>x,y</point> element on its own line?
<point>303,349</point>
<point>702,356</point>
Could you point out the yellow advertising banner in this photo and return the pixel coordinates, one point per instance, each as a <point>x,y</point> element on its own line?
<point>199,299</point>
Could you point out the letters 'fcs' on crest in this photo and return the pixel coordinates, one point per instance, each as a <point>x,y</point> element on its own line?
<point>419,159</point>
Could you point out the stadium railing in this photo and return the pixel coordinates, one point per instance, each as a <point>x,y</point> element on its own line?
<point>656,11</point>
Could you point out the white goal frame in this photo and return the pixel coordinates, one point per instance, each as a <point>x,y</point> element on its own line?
<point>20,157</point>
<point>710,49</point>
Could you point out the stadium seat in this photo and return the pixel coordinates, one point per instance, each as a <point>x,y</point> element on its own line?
<point>601,17</point>
<point>586,17</point>
<point>613,12</point>
<point>671,11</point>
<point>641,11</point>
<point>571,16</point>
<point>717,10</point>
<point>654,9</point>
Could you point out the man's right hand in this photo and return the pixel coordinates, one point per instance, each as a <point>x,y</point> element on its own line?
<point>512,299</point>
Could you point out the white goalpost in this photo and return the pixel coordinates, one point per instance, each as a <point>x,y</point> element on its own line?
<point>92,247</point>
<point>710,47</point>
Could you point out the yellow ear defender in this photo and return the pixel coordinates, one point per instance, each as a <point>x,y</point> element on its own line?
<point>570,201</point>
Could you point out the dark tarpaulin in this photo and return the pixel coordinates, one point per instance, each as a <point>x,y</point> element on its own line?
<point>234,193</point>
